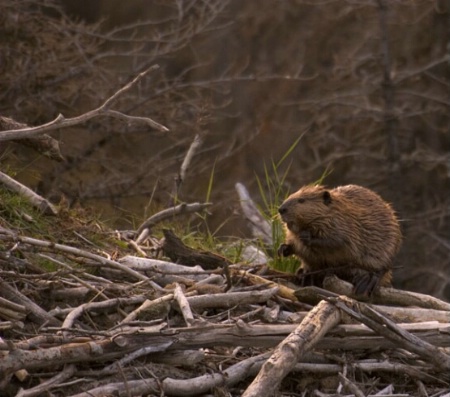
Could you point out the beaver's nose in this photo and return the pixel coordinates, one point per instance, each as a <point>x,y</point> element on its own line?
<point>283,209</point>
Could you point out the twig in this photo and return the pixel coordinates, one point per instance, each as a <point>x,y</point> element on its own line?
<point>167,214</point>
<point>102,110</point>
<point>179,179</point>
<point>183,304</point>
<point>51,383</point>
<point>147,306</point>
<point>111,303</point>
<point>136,354</point>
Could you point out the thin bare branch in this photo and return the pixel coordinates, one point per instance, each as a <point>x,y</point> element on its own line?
<point>103,110</point>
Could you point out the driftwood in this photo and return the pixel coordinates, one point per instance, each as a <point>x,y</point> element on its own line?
<point>146,326</point>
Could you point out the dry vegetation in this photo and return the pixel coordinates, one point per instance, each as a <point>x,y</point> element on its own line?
<point>174,104</point>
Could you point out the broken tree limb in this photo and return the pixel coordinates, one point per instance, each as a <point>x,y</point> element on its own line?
<point>183,304</point>
<point>313,327</point>
<point>156,266</point>
<point>230,299</point>
<point>284,292</point>
<point>35,200</point>
<point>110,303</point>
<point>52,383</point>
<point>181,209</point>
<point>102,110</point>
<point>180,253</point>
<point>386,327</point>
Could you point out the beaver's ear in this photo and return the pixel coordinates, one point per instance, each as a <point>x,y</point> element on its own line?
<point>326,197</point>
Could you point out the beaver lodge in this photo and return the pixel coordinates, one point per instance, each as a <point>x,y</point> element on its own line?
<point>88,311</point>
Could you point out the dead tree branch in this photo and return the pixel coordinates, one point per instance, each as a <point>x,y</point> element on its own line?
<point>102,110</point>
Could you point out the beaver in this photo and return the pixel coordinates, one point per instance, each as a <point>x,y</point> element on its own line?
<point>349,231</point>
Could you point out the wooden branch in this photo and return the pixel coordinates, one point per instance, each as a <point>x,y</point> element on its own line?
<point>168,213</point>
<point>35,200</point>
<point>283,291</point>
<point>163,272</point>
<point>184,306</point>
<point>231,299</point>
<point>179,179</point>
<point>34,312</point>
<point>178,252</point>
<point>315,325</point>
<point>202,384</point>
<point>259,225</point>
<point>12,311</point>
<point>49,384</point>
<point>388,296</point>
<point>161,305</point>
<point>110,303</point>
<point>386,327</point>
<point>102,110</point>
<point>142,387</point>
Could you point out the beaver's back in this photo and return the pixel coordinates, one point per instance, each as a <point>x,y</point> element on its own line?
<point>371,224</point>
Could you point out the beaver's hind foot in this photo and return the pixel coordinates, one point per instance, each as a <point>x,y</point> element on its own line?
<point>367,282</point>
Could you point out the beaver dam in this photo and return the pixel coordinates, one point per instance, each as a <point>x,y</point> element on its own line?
<point>87,311</point>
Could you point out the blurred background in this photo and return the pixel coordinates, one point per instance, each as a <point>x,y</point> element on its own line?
<point>276,90</point>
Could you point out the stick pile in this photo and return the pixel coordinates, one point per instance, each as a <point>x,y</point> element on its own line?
<point>99,324</point>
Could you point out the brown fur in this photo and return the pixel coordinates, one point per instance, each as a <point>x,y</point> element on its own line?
<point>349,230</point>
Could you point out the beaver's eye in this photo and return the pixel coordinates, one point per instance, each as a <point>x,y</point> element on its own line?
<point>301,200</point>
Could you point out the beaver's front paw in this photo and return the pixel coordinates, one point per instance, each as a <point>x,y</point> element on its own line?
<point>285,250</point>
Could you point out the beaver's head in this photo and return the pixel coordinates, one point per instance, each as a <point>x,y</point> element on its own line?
<point>302,208</point>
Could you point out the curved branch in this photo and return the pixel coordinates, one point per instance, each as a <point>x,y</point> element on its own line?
<point>103,110</point>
